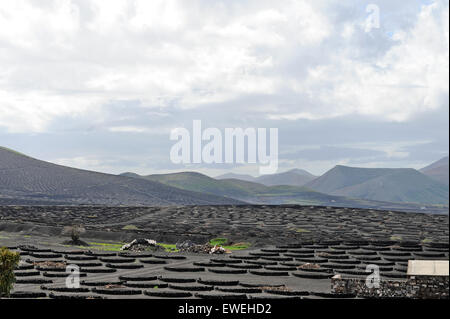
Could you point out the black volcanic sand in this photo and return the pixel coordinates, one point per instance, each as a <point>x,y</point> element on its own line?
<point>340,241</point>
<point>259,225</point>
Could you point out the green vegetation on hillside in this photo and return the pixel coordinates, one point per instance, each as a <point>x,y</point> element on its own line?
<point>255,193</point>
<point>242,190</point>
<point>397,185</point>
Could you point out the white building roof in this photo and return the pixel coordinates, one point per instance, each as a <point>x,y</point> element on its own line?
<point>428,268</point>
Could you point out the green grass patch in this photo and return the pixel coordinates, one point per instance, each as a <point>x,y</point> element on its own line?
<point>224,243</point>
<point>396,238</point>
<point>238,246</point>
<point>218,241</point>
<point>301,230</point>
<point>171,248</point>
<point>106,246</point>
<point>115,247</point>
<point>130,227</point>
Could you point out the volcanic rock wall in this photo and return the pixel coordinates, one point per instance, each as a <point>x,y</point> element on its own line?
<point>419,287</point>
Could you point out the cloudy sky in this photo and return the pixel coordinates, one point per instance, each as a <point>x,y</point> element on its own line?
<point>99,84</point>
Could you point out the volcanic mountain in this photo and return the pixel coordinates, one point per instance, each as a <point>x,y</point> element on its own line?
<point>25,180</point>
<point>293,177</point>
<point>255,193</point>
<point>239,189</point>
<point>401,185</point>
<point>438,171</point>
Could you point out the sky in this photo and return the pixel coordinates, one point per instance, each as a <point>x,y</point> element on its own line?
<point>99,85</point>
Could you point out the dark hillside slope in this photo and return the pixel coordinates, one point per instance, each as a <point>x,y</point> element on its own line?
<point>438,171</point>
<point>25,179</point>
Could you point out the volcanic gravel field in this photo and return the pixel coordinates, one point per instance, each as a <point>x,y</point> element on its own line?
<point>283,238</point>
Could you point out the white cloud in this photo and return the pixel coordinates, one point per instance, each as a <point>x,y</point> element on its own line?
<point>409,79</point>
<point>164,14</point>
<point>32,111</point>
<point>72,58</point>
<point>140,129</point>
<point>61,58</point>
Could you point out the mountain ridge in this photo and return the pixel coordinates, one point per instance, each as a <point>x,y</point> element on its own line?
<point>29,179</point>
<point>259,194</point>
<point>438,170</point>
<point>293,177</point>
<point>387,184</point>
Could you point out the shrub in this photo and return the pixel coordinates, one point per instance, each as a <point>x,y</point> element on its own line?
<point>74,232</point>
<point>8,261</point>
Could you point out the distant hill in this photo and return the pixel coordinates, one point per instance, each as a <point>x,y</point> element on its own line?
<point>403,185</point>
<point>25,180</point>
<point>274,195</point>
<point>242,177</point>
<point>438,171</point>
<point>243,190</point>
<point>294,177</point>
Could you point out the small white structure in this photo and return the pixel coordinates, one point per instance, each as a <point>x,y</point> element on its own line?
<point>428,268</point>
<point>148,242</point>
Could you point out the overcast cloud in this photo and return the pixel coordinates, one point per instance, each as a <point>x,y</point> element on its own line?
<point>100,84</point>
